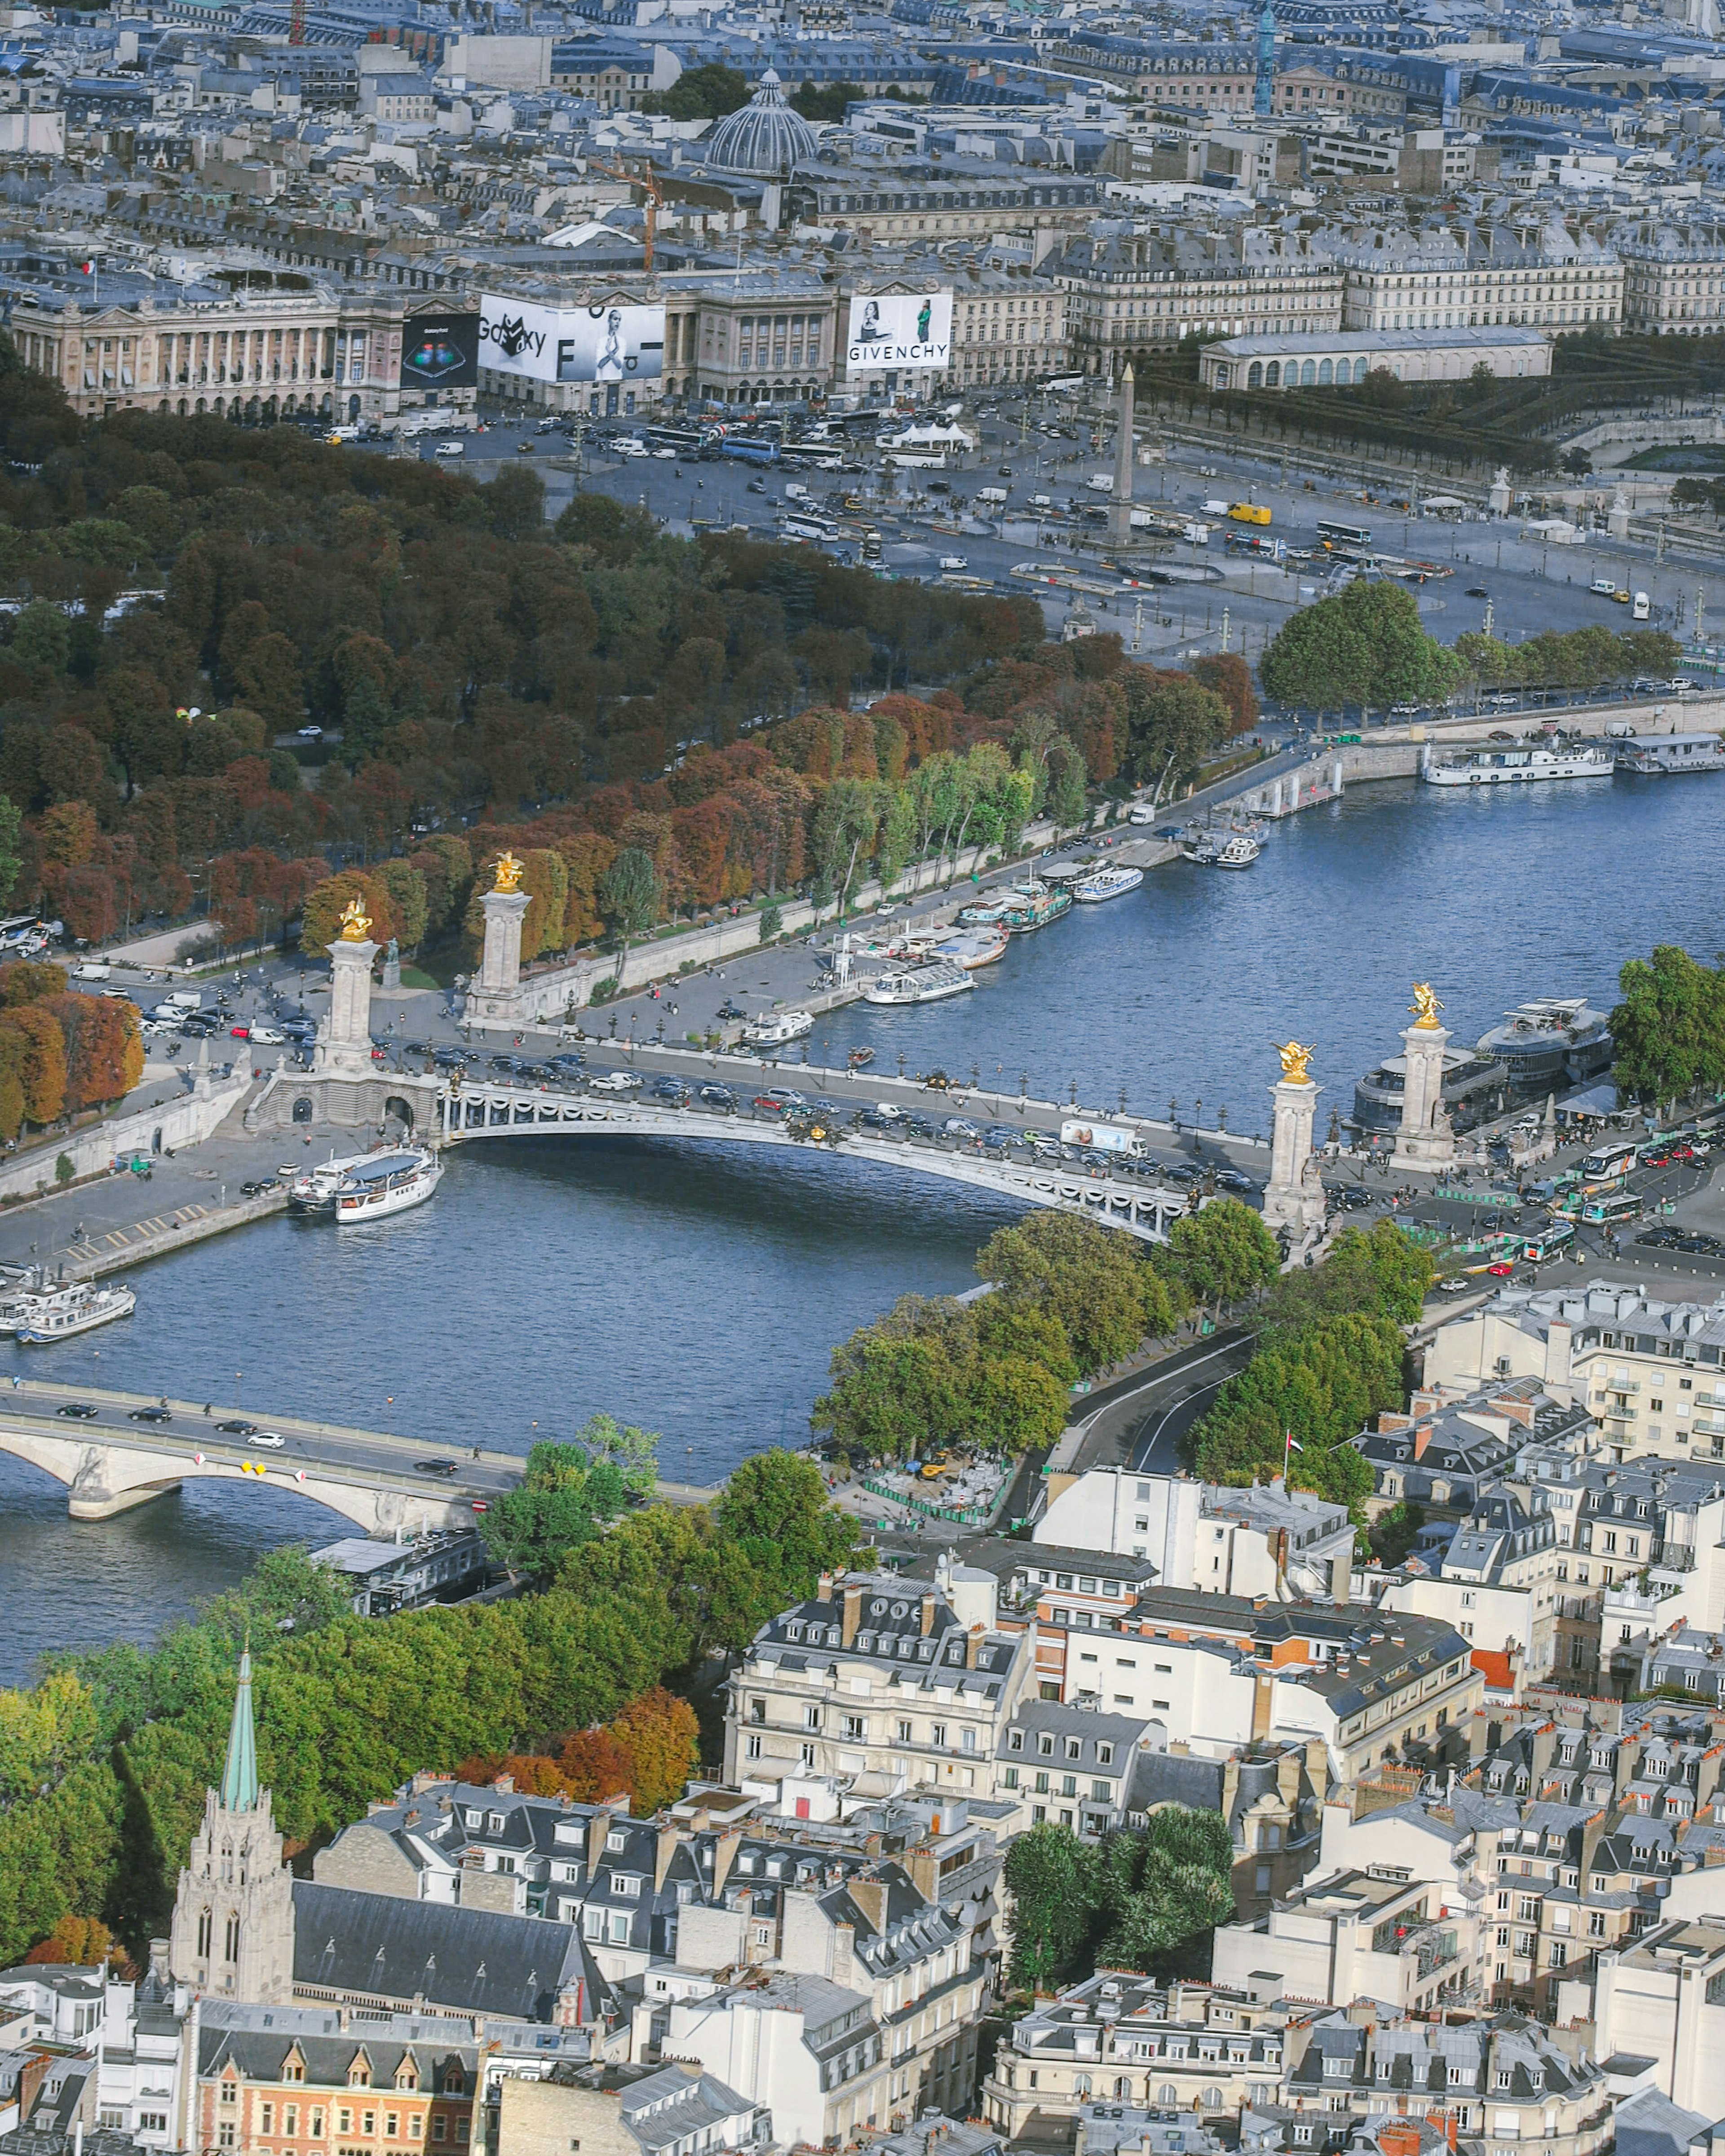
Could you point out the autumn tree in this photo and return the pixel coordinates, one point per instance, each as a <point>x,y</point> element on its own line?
<point>320,922</point>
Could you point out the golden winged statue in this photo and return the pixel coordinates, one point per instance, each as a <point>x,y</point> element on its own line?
<point>1425,1007</point>
<point>356,921</point>
<point>508,872</point>
<point>1294,1060</point>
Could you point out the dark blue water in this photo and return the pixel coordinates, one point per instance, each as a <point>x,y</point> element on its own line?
<point>699,1293</point>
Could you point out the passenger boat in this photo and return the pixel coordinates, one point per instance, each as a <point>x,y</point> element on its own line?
<point>1113,881</point>
<point>985,913</point>
<point>386,1182</point>
<point>859,1059</point>
<point>1032,906</point>
<point>1523,767</point>
<point>61,1313</point>
<point>780,1028</point>
<point>314,1189</point>
<point>918,984</point>
<point>1238,850</point>
<point>1661,753</point>
<point>972,947</point>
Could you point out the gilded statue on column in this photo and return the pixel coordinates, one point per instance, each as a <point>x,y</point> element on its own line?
<point>1293,1062</point>
<point>1425,1007</point>
<point>508,872</point>
<point>356,921</point>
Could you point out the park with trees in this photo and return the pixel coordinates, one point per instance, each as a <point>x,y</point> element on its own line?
<point>656,726</point>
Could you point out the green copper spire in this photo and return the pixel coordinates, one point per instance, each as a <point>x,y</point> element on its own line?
<point>239,1778</point>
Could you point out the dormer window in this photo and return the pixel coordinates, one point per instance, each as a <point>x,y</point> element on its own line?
<point>475,1820</point>
<point>497,1822</point>
<point>1015,1740</point>
<point>614,1842</point>
<point>359,2075</point>
<point>1044,1746</point>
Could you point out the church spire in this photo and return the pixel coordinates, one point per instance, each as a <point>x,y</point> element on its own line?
<point>239,1778</point>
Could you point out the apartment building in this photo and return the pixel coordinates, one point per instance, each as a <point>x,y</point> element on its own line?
<point>956,198</point>
<point>1648,1372</point>
<point>1502,2083</point>
<point>1006,328</point>
<point>1130,291</point>
<point>1449,1448</point>
<point>1663,1999</point>
<point>1350,1936</point>
<point>808,2049</point>
<point>673,2110</point>
<point>286,2077</point>
<point>1473,274</point>
<point>877,1677</point>
<point>1673,278</point>
<point>1262,1541</point>
<point>1498,1583</point>
<point>1221,78</point>
<point>1121,2038</point>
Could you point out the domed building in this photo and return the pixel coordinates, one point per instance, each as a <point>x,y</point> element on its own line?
<point>763,138</point>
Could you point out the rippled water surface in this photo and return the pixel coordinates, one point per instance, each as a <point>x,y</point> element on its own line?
<point>700,1292</point>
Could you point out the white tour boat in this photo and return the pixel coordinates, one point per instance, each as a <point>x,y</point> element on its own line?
<point>780,1028</point>
<point>1238,850</point>
<point>1522,766</point>
<point>386,1182</point>
<point>60,1313</point>
<point>313,1189</point>
<point>1114,880</point>
<point>918,984</point>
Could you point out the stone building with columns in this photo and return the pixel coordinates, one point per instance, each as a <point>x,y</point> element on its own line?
<point>123,341</point>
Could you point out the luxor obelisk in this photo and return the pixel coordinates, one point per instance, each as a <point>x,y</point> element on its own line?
<point>1120,520</point>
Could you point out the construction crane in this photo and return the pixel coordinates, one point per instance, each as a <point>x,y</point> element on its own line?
<point>647,184</point>
<point>296,23</point>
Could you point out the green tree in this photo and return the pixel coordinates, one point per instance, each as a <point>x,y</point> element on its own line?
<point>777,1501</point>
<point>1366,646</point>
<point>902,1384</point>
<point>701,93</point>
<point>562,1500</point>
<point>1052,1878</point>
<point>631,898</point>
<point>11,860</point>
<point>1171,725</point>
<point>1162,1886</point>
<point>632,1452</point>
<point>772,921</point>
<point>516,500</point>
<point>1223,1253</point>
<point>828,102</point>
<point>1395,1532</point>
<point>1669,1031</point>
<point>1105,1297</point>
<point>617,531</point>
<point>1380,1271</point>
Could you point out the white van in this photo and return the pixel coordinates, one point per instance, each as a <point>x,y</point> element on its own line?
<point>1640,607</point>
<point>92,969</point>
<point>187,999</point>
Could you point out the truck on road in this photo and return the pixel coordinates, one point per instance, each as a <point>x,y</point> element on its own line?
<point>1103,1138</point>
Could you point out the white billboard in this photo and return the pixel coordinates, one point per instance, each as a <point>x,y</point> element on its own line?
<point>571,344</point>
<point>901,329</point>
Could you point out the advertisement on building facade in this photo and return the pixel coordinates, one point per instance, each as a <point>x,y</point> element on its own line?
<point>900,330</point>
<point>571,344</point>
<point>440,352</point>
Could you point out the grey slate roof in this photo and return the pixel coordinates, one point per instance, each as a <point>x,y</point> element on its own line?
<point>474,1960</point>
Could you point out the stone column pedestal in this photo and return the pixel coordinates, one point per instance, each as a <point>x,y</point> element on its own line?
<point>344,1039</point>
<point>1424,1144</point>
<point>494,996</point>
<point>1293,1197</point>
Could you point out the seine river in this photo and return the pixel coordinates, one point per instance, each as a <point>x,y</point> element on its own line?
<point>700,1294</point>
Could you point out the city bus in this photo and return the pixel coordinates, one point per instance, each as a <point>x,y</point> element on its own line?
<point>683,440</point>
<point>1610,1207</point>
<point>1335,534</point>
<point>1555,1237</point>
<point>749,449</point>
<point>1609,1162</point>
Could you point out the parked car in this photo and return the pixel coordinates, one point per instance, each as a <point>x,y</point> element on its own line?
<point>615,1081</point>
